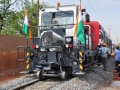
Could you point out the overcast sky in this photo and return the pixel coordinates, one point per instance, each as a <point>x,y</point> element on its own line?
<point>106,12</point>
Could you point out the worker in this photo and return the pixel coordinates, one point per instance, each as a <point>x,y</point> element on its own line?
<point>99,54</point>
<point>104,55</point>
<point>117,58</point>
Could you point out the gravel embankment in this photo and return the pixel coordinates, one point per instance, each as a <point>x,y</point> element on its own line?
<point>94,79</point>
<point>43,85</point>
<point>17,82</point>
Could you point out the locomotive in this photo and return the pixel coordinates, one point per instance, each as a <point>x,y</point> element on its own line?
<point>55,51</point>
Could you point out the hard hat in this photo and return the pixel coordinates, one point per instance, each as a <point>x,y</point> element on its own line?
<point>104,44</point>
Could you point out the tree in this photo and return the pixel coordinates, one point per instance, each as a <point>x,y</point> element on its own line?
<point>12,17</point>
<point>5,11</point>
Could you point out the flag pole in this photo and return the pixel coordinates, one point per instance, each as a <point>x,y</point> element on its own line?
<point>83,30</point>
<point>27,42</point>
<point>26,11</point>
<point>80,5</point>
<point>28,28</point>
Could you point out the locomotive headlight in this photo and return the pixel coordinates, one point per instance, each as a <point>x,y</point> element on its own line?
<point>68,40</point>
<point>37,46</point>
<point>75,63</point>
<point>67,45</point>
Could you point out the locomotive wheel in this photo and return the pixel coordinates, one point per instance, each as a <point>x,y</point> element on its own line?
<point>39,75</point>
<point>63,75</point>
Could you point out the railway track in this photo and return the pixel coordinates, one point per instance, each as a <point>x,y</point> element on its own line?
<point>36,84</point>
<point>28,82</point>
<point>94,78</point>
<point>25,84</point>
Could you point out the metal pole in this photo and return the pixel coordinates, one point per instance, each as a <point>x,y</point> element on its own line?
<point>109,32</point>
<point>28,30</point>
<point>117,40</point>
<point>38,18</point>
<point>109,27</point>
<point>38,8</point>
<point>27,42</point>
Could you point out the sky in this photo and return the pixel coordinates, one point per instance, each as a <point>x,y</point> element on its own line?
<point>106,12</point>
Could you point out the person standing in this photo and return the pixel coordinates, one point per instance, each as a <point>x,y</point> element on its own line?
<point>104,55</point>
<point>117,58</point>
<point>99,54</point>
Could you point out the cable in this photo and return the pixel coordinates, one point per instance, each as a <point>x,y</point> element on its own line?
<point>95,11</point>
<point>68,1</point>
<point>89,11</point>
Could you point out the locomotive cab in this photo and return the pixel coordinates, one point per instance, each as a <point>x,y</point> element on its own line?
<point>56,51</point>
<point>59,54</point>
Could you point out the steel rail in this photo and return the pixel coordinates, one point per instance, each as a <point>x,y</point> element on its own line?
<point>25,84</point>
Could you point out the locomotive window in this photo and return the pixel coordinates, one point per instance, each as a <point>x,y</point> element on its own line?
<point>61,19</point>
<point>46,20</point>
<point>101,36</point>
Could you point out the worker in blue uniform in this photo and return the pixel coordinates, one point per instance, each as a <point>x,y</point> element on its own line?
<point>104,55</point>
<point>117,58</point>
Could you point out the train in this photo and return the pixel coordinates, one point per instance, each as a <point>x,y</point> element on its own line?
<point>56,52</point>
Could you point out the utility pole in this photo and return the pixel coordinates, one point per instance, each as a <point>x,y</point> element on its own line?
<point>38,17</point>
<point>109,27</point>
<point>38,4</point>
<point>117,40</point>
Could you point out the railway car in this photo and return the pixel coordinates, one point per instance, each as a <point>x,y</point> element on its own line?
<point>97,35</point>
<point>55,51</point>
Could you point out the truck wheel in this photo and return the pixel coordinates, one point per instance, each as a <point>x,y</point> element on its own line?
<point>63,75</point>
<point>39,75</point>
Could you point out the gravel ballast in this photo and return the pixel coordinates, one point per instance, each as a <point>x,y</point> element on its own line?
<point>94,79</point>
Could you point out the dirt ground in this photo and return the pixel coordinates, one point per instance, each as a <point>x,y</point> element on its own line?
<point>111,87</point>
<point>116,78</point>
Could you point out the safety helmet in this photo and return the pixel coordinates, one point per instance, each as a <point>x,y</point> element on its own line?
<point>104,44</point>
